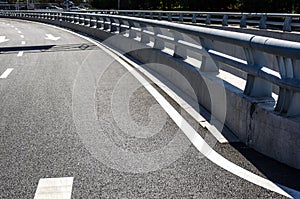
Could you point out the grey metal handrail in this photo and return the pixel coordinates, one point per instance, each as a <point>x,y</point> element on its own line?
<point>266,61</point>
<point>272,21</point>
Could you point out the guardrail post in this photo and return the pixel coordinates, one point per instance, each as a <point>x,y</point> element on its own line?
<point>98,22</point>
<point>132,33</point>
<point>81,20</point>
<point>121,28</point>
<point>170,16</point>
<point>207,63</point>
<point>93,22</point>
<point>105,24</point>
<point>112,25</point>
<point>255,86</point>
<point>181,17</point>
<point>179,52</point>
<point>243,22</point>
<point>287,24</point>
<point>72,17</point>
<point>158,44</point>
<point>76,19</point>
<point>160,16</point>
<point>151,15</point>
<point>288,101</point>
<point>225,20</point>
<point>207,20</point>
<point>194,19</point>
<point>144,37</point>
<point>262,22</point>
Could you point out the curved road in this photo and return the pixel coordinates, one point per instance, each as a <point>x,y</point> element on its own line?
<point>75,121</point>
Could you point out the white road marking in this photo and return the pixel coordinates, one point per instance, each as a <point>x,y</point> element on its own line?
<point>6,73</point>
<point>23,42</point>
<point>22,36</point>
<point>19,32</point>
<point>20,54</point>
<point>294,193</point>
<point>229,166</point>
<point>195,138</point>
<point>51,37</point>
<point>198,141</point>
<point>54,188</point>
<point>16,28</point>
<point>3,39</point>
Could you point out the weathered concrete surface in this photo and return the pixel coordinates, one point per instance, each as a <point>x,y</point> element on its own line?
<point>251,120</point>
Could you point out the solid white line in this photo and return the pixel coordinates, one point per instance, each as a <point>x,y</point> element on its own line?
<point>6,73</point>
<point>294,193</point>
<point>194,137</point>
<point>198,141</point>
<point>23,42</point>
<point>54,188</point>
<point>20,54</point>
<point>22,36</point>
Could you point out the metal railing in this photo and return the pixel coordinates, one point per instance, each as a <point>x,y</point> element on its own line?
<point>266,61</point>
<point>271,21</point>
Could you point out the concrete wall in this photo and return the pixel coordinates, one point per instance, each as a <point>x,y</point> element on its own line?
<point>252,120</point>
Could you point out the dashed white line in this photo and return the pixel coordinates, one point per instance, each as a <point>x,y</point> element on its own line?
<point>6,73</point>
<point>20,54</point>
<point>23,42</point>
<point>54,188</point>
<point>22,36</point>
<point>19,32</point>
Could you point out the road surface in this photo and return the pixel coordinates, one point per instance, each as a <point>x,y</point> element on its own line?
<point>76,122</point>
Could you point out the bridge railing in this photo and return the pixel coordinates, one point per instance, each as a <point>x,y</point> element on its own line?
<point>266,61</point>
<point>272,21</point>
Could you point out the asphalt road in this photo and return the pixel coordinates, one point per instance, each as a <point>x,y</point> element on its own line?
<point>69,109</point>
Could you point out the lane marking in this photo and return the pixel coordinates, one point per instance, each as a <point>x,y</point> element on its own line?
<point>51,37</point>
<point>6,73</point>
<point>19,32</point>
<point>22,36</point>
<point>198,141</point>
<point>190,132</point>
<point>54,188</point>
<point>20,54</point>
<point>16,28</point>
<point>234,169</point>
<point>23,42</point>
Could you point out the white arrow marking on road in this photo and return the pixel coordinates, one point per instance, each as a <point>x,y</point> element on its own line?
<point>3,39</point>
<point>51,37</point>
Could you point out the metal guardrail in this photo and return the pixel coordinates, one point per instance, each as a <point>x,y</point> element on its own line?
<point>266,61</point>
<point>272,21</point>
